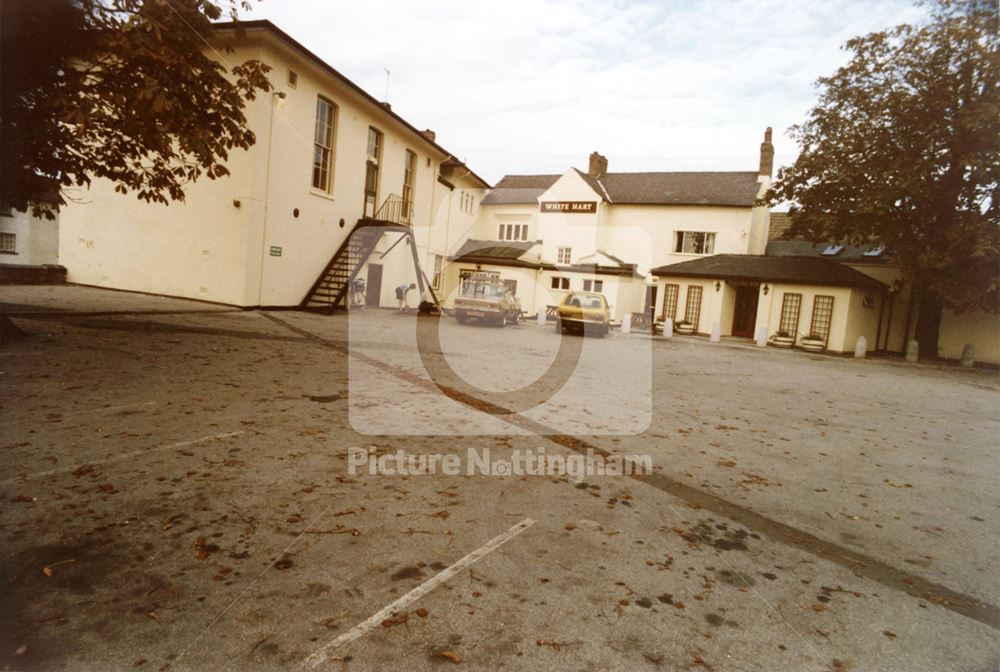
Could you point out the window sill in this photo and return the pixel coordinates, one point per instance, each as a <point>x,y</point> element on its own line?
<point>321,194</point>
<point>8,252</point>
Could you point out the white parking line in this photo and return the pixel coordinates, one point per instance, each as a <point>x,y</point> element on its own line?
<point>120,457</point>
<point>319,657</point>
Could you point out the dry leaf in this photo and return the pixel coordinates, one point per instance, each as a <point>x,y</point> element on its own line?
<point>47,571</point>
<point>21,650</point>
<point>450,655</point>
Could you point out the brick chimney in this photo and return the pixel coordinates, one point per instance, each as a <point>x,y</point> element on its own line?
<point>429,134</point>
<point>766,155</point>
<point>598,165</point>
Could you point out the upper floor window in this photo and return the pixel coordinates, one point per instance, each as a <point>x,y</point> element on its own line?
<point>560,283</point>
<point>409,179</point>
<point>694,242</point>
<point>372,168</point>
<point>593,285</point>
<point>564,255</point>
<point>513,232</point>
<point>323,137</point>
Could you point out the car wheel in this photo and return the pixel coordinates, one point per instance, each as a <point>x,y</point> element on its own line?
<point>502,321</point>
<point>516,318</point>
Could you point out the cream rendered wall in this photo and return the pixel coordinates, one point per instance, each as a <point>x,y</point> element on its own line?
<point>579,231</point>
<point>310,240</point>
<point>487,226</point>
<point>207,248</point>
<point>200,248</point>
<point>644,234</point>
<point>36,241</point>
<point>711,301</point>
<point>980,329</point>
<point>760,220</point>
<point>841,326</point>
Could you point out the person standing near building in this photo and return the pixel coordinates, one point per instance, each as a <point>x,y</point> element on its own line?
<point>401,293</point>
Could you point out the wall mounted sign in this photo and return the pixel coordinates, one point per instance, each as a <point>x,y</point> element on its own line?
<point>275,251</point>
<point>569,206</point>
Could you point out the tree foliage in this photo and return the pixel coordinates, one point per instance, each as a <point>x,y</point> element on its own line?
<point>136,91</point>
<point>903,148</point>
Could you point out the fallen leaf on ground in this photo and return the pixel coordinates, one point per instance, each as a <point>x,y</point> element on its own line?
<point>422,613</point>
<point>450,655</point>
<point>21,650</point>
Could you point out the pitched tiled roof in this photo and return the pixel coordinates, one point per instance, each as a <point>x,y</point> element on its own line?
<point>738,189</point>
<point>705,188</point>
<point>797,247</point>
<point>502,252</point>
<point>797,270</point>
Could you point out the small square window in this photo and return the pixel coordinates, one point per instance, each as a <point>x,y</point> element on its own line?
<point>293,79</point>
<point>560,283</point>
<point>564,255</point>
<point>8,242</point>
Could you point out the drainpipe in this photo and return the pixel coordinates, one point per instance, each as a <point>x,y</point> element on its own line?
<point>267,197</point>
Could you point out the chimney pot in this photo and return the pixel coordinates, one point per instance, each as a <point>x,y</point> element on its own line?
<point>429,134</point>
<point>598,165</point>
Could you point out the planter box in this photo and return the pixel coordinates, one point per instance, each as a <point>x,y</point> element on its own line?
<point>783,341</point>
<point>686,329</point>
<point>812,344</point>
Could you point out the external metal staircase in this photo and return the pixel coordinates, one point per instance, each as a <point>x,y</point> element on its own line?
<point>330,291</point>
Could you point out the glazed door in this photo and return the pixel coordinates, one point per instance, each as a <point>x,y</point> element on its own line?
<point>745,310</point>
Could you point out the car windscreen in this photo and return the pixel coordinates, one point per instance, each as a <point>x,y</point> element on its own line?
<point>584,301</point>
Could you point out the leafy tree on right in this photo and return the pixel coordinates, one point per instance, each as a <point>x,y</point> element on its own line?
<point>903,148</point>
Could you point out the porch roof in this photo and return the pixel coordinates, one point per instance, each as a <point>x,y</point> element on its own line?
<point>760,268</point>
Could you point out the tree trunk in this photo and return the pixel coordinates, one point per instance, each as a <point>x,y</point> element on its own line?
<point>929,324</point>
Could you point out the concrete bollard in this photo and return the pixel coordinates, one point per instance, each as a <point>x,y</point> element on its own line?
<point>541,317</point>
<point>861,348</point>
<point>762,337</point>
<point>668,328</point>
<point>912,351</point>
<point>716,334</point>
<point>968,355</point>
<point>627,323</point>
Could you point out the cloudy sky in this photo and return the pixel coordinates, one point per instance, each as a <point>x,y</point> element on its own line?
<point>525,86</point>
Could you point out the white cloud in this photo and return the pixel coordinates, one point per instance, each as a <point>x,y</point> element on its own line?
<point>536,85</point>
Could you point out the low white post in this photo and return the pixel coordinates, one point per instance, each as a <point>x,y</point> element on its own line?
<point>968,355</point>
<point>541,317</point>
<point>912,351</point>
<point>861,348</point>
<point>668,328</point>
<point>627,323</point>
<point>716,334</point>
<point>762,337</point>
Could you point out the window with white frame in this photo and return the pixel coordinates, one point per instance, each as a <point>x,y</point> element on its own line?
<point>323,138</point>
<point>560,283</point>
<point>409,179</point>
<point>694,242</point>
<point>8,243</point>
<point>436,277</point>
<point>372,168</point>
<point>593,285</point>
<point>564,255</point>
<point>513,232</point>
